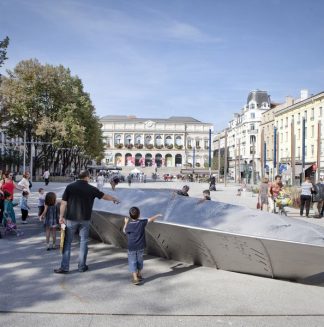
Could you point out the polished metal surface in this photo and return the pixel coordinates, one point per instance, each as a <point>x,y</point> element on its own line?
<point>262,253</point>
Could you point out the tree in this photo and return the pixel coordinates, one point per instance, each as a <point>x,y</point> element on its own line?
<point>3,50</point>
<point>57,115</point>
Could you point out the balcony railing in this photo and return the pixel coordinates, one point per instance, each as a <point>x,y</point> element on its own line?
<point>252,131</point>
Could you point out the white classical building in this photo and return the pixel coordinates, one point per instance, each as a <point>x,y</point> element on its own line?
<point>243,143</point>
<point>173,142</point>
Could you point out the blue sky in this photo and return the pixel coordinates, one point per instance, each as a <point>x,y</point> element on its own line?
<point>160,58</point>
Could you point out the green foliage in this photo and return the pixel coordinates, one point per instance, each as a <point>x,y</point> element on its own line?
<point>3,50</point>
<point>52,107</point>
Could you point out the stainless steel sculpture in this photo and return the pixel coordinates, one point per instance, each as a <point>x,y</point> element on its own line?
<point>216,234</point>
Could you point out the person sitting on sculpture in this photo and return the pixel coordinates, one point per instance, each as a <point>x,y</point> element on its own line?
<point>206,196</point>
<point>183,191</point>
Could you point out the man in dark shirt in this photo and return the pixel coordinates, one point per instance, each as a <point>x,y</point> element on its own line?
<point>75,213</point>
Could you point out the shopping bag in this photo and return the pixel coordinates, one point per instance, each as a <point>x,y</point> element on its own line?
<point>258,205</point>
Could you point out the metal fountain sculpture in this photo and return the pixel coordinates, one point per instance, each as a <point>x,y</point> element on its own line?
<point>216,234</point>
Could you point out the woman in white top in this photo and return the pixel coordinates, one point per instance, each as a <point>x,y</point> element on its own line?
<point>306,196</point>
<point>24,183</point>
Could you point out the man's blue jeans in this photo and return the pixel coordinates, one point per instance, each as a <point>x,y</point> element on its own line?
<point>70,230</point>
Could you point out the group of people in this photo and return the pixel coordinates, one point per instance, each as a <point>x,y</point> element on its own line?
<point>7,202</point>
<point>270,193</point>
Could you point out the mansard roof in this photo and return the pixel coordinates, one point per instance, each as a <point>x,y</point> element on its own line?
<point>259,97</point>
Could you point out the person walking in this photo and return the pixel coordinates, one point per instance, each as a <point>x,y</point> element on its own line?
<point>100,181</point>
<point>134,228</point>
<point>77,201</point>
<point>46,176</point>
<point>129,180</point>
<point>24,207</point>
<point>306,196</point>
<point>263,193</point>
<point>8,185</point>
<point>273,192</point>
<point>1,197</point>
<point>50,216</point>
<point>25,183</point>
<point>318,199</point>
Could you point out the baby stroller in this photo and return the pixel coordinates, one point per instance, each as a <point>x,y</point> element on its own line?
<point>11,228</point>
<point>283,200</point>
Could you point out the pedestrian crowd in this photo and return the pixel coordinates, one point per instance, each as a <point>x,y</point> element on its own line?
<point>273,196</point>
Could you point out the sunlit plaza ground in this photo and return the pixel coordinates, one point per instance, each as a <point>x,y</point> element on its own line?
<point>173,294</point>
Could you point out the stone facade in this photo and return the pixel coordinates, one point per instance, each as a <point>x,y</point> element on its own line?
<point>149,142</point>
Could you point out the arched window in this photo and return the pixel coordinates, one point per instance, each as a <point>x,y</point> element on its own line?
<point>128,139</point>
<point>129,160</point>
<point>118,139</point>
<point>178,140</point>
<point>148,139</point>
<point>158,160</point>
<point>138,158</point>
<point>158,140</point>
<point>168,140</point>
<point>118,159</point>
<point>168,160</point>
<point>178,160</point>
<point>138,139</point>
<point>148,160</point>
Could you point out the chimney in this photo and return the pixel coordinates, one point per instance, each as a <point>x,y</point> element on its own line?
<point>304,94</point>
<point>289,101</point>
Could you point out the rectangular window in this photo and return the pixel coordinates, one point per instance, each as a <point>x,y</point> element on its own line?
<point>286,122</point>
<point>312,149</point>
<point>286,136</point>
<point>312,131</point>
<point>305,115</point>
<point>298,134</point>
<point>312,114</point>
<point>320,111</point>
<point>252,115</point>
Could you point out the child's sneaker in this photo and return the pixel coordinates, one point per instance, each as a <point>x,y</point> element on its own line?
<point>135,281</point>
<point>47,247</point>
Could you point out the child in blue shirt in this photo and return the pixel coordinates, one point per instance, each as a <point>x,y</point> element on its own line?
<point>24,206</point>
<point>134,228</point>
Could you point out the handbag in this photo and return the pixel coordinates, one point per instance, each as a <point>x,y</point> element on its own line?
<point>258,206</point>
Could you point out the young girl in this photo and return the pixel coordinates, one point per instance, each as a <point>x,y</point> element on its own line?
<point>134,228</point>
<point>41,201</point>
<point>51,215</point>
<point>24,206</point>
<point>8,212</point>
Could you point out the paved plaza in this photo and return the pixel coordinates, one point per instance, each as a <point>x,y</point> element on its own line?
<point>173,293</point>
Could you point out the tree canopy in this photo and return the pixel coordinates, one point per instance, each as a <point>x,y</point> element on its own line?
<point>57,114</point>
<point>3,50</point>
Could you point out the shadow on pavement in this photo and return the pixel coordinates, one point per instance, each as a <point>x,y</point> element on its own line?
<point>175,270</point>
